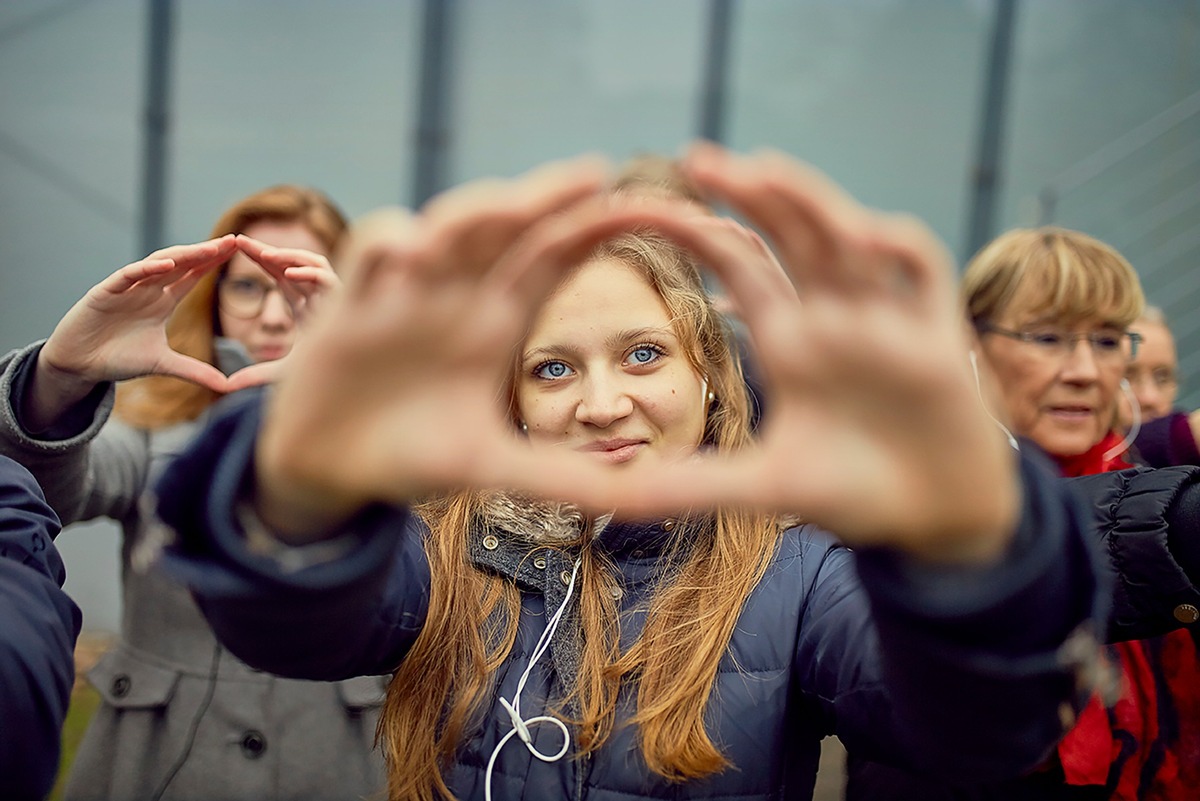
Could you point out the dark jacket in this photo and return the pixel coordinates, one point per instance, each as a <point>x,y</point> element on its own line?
<point>180,719</point>
<point>1148,524</point>
<point>962,670</point>
<point>37,638</point>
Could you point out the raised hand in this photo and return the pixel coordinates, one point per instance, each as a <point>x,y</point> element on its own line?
<point>395,392</point>
<point>118,330</point>
<point>874,428</point>
<point>305,279</point>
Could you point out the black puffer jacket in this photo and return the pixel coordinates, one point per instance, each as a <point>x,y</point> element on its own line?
<point>1148,524</point>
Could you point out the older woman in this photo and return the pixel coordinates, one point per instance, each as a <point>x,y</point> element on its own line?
<point>1053,311</point>
<point>180,717</point>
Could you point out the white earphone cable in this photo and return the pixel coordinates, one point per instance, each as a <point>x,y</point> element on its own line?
<point>521,726</point>
<point>983,402</point>
<point>1135,410</point>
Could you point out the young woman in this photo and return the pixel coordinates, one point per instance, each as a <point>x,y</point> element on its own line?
<point>180,717</point>
<point>511,345</point>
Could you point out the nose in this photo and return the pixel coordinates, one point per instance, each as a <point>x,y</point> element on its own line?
<point>1149,397</point>
<point>603,402</point>
<point>1080,366</point>
<point>276,313</point>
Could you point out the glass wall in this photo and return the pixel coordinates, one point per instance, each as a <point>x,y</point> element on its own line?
<point>884,95</point>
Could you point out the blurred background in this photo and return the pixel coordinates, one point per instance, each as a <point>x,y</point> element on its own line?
<point>129,124</point>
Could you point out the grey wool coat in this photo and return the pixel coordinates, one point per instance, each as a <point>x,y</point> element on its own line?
<point>181,718</point>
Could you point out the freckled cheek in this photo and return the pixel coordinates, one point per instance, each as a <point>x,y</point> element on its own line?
<point>549,416</point>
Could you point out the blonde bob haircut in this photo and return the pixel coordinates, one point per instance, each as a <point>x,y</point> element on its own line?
<point>1054,274</point>
<point>441,688</point>
<point>159,401</point>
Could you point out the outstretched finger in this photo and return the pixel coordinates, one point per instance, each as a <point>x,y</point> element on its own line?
<point>745,267</point>
<point>645,491</point>
<point>380,236</point>
<point>275,260</point>
<point>255,375</point>
<point>919,260</point>
<point>199,254</point>
<point>311,279</point>
<point>467,229</point>
<point>813,223</point>
<point>561,242</point>
<point>131,275</point>
<point>193,370</point>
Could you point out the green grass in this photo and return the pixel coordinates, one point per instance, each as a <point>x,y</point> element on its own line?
<point>84,701</point>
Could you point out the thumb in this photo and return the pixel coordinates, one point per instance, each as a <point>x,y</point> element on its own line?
<point>195,371</point>
<point>254,375</point>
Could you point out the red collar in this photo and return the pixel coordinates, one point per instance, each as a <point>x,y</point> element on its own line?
<point>1092,461</point>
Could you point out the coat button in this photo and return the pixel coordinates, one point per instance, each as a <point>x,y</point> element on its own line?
<point>491,542</point>
<point>254,744</point>
<point>539,562</point>
<point>668,525</point>
<point>565,577</point>
<point>617,593</point>
<point>1186,613</point>
<point>121,685</point>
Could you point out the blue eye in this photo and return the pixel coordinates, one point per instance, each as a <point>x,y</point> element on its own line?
<point>644,354</point>
<point>1106,342</point>
<point>552,370</point>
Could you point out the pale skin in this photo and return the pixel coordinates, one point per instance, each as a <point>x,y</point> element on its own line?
<point>117,331</point>
<point>603,372</point>
<point>875,429</point>
<point>1153,376</point>
<point>1064,405</point>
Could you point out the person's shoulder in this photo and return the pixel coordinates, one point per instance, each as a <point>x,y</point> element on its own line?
<point>805,542</point>
<point>14,476</point>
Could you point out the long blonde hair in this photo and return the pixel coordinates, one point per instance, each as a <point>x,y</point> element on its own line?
<point>158,401</point>
<point>440,689</point>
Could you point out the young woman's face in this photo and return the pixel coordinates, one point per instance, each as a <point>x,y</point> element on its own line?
<point>1063,398</point>
<point>1153,374</point>
<point>603,372</point>
<point>250,308</point>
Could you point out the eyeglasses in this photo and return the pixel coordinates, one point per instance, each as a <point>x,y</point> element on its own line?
<point>1107,346</point>
<point>244,297</point>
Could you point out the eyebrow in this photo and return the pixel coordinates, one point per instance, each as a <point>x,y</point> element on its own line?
<point>616,340</point>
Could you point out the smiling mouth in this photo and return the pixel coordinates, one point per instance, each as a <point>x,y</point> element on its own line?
<point>615,451</point>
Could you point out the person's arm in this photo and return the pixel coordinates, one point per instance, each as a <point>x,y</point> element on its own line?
<point>88,466</point>
<point>1147,523</point>
<point>350,605</point>
<point>37,638</point>
<point>957,671</point>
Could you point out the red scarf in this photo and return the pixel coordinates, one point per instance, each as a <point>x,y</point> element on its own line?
<point>1147,746</point>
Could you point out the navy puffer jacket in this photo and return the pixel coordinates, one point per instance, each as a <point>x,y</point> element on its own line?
<point>958,670</point>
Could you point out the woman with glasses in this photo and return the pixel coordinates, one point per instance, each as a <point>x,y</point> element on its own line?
<point>1053,310</point>
<point>180,717</point>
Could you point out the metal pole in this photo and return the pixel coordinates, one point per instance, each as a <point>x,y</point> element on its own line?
<point>987,164</point>
<point>157,124</point>
<point>716,68</point>
<point>433,129</point>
